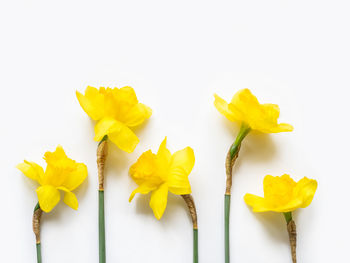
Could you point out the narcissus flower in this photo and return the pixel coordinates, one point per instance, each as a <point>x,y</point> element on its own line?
<point>62,173</point>
<point>244,108</point>
<point>283,194</point>
<point>160,173</point>
<point>116,110</point>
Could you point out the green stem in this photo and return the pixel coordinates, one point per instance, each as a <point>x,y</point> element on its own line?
<point>234,149</point>
<point>243,132</point>
<point>227,228</point>
<point>288,216</point>
<point>101,226</point>
<point>38,252</point>
<point>195,245</point>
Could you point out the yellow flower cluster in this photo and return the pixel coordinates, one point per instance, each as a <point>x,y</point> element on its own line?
<point>283,194</point>
<point>245,108</point>
<point>116,111</point>
<point>62,173</point>
<point>160,173</point>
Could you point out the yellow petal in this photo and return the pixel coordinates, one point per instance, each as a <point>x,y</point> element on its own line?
<point>142,189</point>
<point>71,200</point>
<point>124,138</point>
<point>222,106</point>
<point>257,203</point>
<point>76,177</point>
<point>106,126</point>
<point>181,166</point>
<point>163,154</point>
<point>126,94</point>
<point>282,127</point>
<point>48,197</point>
<point>305,190</point>
<point>159,200</point>
<point>136,115</point>
<point>92,102</point>
<point>31,170</point>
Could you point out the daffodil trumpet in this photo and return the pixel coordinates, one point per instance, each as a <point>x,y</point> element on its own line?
<point>162,173</point>
<point>62,173</point>
<point>283,195</point>
<point>116,111</point>
<point>246,110</point>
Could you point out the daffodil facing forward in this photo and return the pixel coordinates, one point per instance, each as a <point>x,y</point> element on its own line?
<point>282,194</point>
<point>116,111</point>
<point>162,173</point>
<point>246,110</point>
<point>61,174</point>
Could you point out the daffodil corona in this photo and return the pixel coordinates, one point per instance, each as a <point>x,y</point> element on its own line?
<point>246,110</point>
<point>162,173</point>
<point>116,111</point>
<point>282,194</point>
<point>61,174</point>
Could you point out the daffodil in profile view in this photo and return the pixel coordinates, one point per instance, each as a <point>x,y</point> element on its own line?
<point>164,172</point>
<point>62,174</point>
<point>245,110</point>
<point>283,195</point>
<point>117,111</point>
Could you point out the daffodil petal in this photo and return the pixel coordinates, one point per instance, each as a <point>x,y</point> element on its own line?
<point>256,202</point>
<point>76,177</point>
<point>31,170</point>
<point>184,160</point>
<point>106,126</point>
<point>142,189</point>
<point>306,189</point>
<point>181,166</point>
<point>92,102</point>
<point>159,201</point>
<point>136,115</point>
<point>222,106</point>
<point>71,200</point>
<point>48,197</point>
<point>124,138</point>
<point>163,154</point>
<point>282,127</point>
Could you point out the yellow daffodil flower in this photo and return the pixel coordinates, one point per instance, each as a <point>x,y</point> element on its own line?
<point>116,111</point>
<point>160,173</point>
<point>244,108</point>
<point>62,173</point>
<point>283,194</point>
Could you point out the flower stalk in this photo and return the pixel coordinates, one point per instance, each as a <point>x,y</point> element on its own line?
<point>102,151</point>
<point>231,158</point>
<point>36,229</point>
<point>292,232</point>
<point>192,209</point>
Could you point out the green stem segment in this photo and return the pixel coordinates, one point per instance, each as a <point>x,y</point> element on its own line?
<point>36,229</point>
<point>38,252</point>
<point>101,226</point>
<point>102,151</point>
<point>232,155</point>
<point>195,245</point>
<point>243,132</point>
<point>288,216</point>
<point>227,228</point>
<point>292,233</point>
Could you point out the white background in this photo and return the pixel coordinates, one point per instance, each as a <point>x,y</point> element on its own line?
<point>176,54</point>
